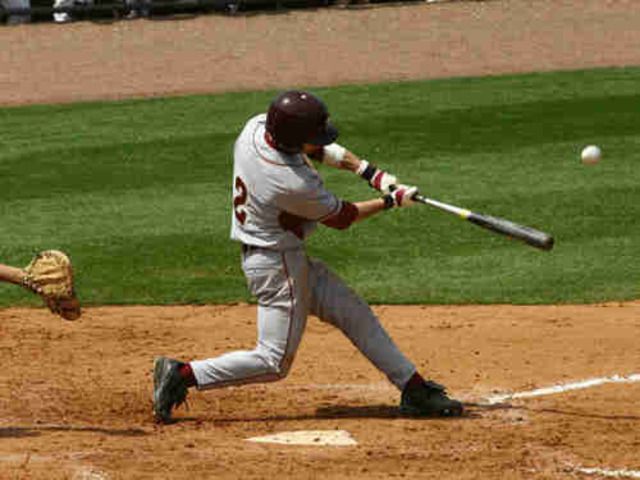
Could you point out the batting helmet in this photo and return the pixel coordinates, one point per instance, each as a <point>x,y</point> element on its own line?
<point>295,118</point>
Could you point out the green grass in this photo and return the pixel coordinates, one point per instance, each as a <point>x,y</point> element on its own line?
<point>138,192</point>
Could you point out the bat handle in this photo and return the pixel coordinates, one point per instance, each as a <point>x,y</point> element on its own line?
<point>460,212</point>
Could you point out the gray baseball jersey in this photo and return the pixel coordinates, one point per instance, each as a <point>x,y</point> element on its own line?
<point>277,202</point>
<point>278,198</point>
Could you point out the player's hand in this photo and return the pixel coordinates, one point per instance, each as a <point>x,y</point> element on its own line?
<point>400,196</point>
<point>377,178</point>
<point>382,181</point>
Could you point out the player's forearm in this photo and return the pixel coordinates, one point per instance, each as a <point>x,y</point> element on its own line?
<point>11,274</point>
<point>350,213</point>
<point>351,162</point>
<point>402,196</point>
<point>353,212</point>
<point>338,156</point>
<point>368,208</point>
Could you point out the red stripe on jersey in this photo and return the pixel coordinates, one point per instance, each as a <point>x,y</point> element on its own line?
<point>269,139</point>
<point>344,218</point>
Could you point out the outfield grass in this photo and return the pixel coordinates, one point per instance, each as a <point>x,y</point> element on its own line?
<point>138,192</point>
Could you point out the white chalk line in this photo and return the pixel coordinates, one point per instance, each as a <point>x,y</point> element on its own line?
<point>604,472</point>
<point>564,387</point>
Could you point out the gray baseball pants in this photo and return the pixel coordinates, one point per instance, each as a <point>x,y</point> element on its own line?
<point>289,286</point>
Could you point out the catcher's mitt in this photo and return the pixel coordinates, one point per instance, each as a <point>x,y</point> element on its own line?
<point>50,275</point>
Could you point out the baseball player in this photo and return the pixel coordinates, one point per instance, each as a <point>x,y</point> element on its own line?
<point>279,198</point>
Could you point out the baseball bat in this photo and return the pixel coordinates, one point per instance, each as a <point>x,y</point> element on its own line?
<point>529,235</point>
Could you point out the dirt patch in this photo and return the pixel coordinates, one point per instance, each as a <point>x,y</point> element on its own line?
<point>83,61</point>
<point>77,396</point>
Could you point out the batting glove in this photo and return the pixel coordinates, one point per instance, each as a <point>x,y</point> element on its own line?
<point>400,196</point>
<point>378,179</point>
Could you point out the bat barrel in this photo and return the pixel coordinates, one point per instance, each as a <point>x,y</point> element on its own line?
<point>529,235</point>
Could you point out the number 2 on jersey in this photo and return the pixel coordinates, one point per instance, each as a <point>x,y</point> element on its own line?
<point>239,200</point>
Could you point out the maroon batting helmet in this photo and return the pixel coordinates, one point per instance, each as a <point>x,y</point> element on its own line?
<point>295,118</point>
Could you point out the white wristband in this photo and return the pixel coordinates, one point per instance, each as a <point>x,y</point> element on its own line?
<point>335,152</point>
<point>362,167</point>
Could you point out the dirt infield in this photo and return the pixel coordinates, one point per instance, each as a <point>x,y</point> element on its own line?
<point>75,400</point>
<point>76,396</point>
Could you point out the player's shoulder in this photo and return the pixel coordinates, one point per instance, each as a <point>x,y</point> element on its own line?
<point>252,124</point>
<point>259,119</point>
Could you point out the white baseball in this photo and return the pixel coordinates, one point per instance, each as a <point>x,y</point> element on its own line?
<point>591,155</point>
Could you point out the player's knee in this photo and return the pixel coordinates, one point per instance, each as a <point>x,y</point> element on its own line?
<point>277,364</point>
<point>281,369</point>
<point>279,373</point>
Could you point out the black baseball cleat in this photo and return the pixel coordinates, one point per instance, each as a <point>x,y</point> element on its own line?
<point>169,388</point>
<point>428,399</point>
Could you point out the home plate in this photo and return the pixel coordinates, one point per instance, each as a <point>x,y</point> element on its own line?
<point>339,438</point>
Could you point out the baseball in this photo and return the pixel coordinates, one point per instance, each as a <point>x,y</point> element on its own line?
<point>590,155</point>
